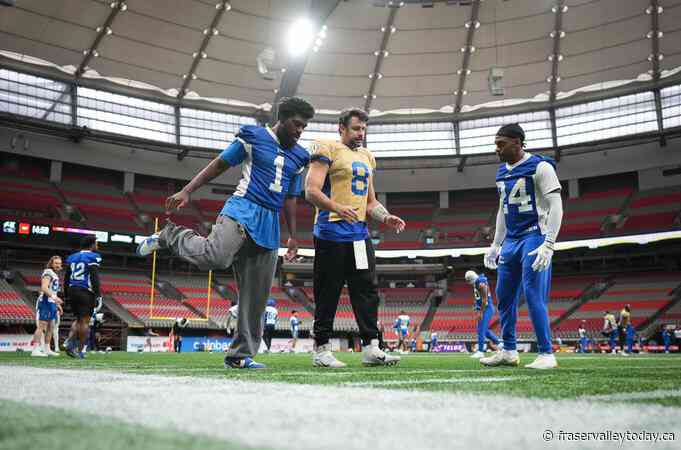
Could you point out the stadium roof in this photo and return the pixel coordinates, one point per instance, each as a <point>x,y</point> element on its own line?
<point>413,55</point>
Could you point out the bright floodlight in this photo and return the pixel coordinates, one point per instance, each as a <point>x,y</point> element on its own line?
<point>300,36</point>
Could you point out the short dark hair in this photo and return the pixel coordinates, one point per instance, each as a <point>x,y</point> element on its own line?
<point>294,311</point>
<point>349,113</point>
<point>87,242</point>
<point>290,106</point>
<point>513,131</point>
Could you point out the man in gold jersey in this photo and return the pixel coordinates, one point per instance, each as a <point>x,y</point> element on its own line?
<point>626,331</point>
<point>340,184</point>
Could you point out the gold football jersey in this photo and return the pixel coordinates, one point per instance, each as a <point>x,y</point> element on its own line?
<point>347,181</point>
<point>625,317</point>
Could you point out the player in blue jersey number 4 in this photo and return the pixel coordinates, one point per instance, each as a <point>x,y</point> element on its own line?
<point>246,232</point>
<point>528,221</point>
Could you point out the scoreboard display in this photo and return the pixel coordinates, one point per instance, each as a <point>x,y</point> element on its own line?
<point>39,232</point>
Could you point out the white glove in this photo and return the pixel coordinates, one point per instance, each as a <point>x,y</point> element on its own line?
<point>99,304</point>
<point>491,256</point>
<point>544,254</point>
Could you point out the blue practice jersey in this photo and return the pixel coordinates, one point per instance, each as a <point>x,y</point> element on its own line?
<point>81,265</point>
<point>403,321</point>
<point>295,323</point>
<point>477,292</point>
<point>270,173</point>
<point>522,195</point>
<point>271,315</point>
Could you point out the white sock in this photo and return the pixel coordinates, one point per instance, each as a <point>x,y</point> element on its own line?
<point>55,337</point>
<point>42,343</point>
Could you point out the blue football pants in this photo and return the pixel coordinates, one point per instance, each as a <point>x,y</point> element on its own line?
<point>515,275</point>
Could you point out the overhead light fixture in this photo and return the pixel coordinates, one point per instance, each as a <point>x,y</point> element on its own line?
<point>264,61</point>
<point>561,34</point>
<point>649,10</point>
<point>366,96</point>
<point>650,34</point>
<point>300,37</point>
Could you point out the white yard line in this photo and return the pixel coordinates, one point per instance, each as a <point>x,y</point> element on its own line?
<point>646,395</point>
<point>293,416</point>
<point>434,381</point>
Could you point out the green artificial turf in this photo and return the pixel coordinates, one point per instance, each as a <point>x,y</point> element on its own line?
<point>578,375</point>
<point>31,427</point>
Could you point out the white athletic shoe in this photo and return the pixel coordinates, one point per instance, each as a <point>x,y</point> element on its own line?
<point>372,355</point>
<point>624,354</point>
<point>323,357</point>
<point>502,358</point>
<point>149,245</point>
<point>39,353</point>
<point>477,355</point>
<point>543,361</point>
<point>49,352</point>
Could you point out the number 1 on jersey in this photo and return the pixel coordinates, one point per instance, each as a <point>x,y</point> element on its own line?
<point>279,167</point>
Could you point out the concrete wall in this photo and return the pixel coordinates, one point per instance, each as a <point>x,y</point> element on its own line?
<point>653,178</point>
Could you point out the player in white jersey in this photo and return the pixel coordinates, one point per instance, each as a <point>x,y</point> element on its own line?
<point>47,305</point>
<point>402,322</point>
<point>232,319</point>
<point>270,317</point>
<point>582,337</point>
<point>528,220</point>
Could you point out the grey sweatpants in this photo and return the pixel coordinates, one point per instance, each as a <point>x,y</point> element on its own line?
<point>229,243</point>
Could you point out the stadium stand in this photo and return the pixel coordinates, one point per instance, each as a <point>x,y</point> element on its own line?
<point>98,195</point>
<point>13,308</point>
<point>132,292</point>
<point>195,291</point>
<point>645,292</point>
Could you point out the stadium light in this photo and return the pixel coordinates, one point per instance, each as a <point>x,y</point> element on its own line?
<point>300,36</point>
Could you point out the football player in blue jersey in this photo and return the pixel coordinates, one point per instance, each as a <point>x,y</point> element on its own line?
<point>294,324</point>
<point>484,307</point>
<point>340,185</point>
<point>528,220</point>
<point>666,338</point>
<point>246,231</point>
<point>81,285</point>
